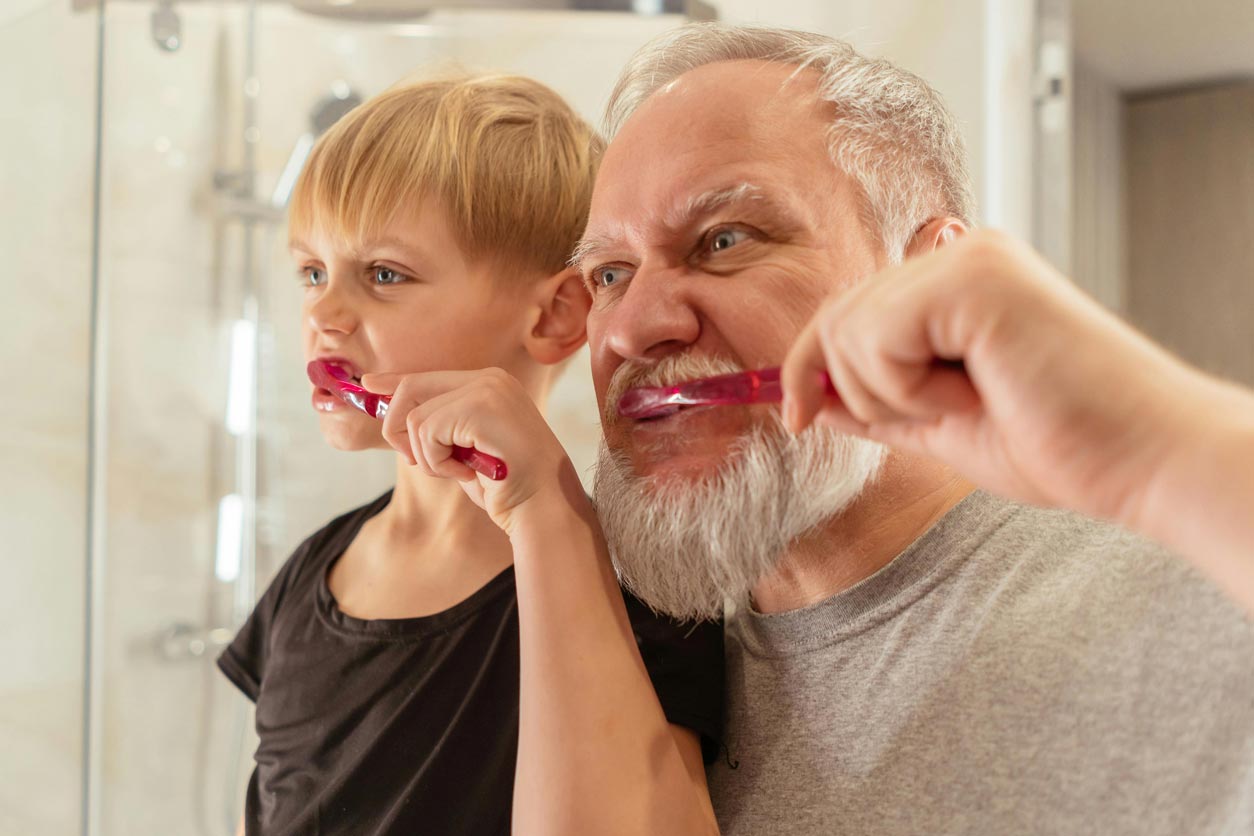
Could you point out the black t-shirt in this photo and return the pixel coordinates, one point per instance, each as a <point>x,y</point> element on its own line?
<point>410,725</point>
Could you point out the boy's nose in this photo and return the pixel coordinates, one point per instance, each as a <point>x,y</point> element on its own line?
<point>331,312</point>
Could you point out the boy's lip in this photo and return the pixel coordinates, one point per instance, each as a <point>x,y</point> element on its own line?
<point>342,363</point>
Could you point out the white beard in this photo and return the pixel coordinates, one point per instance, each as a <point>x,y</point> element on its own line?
<point>687,547</point>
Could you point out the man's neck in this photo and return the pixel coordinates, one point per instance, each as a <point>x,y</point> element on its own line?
<point>909,496</point>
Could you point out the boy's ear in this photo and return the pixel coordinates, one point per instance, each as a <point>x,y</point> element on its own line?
<point>559,324</point>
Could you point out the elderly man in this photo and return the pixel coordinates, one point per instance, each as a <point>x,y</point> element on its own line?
<point>906,654</point>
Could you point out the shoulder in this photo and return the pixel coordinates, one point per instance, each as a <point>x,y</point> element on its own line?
<point>1071,549</point>
<point>1085,580</point>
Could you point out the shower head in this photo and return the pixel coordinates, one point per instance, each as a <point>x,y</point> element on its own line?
<point>328,110</point>
<point>332,107</point>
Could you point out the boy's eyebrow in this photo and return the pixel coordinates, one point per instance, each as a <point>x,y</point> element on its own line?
<point>394,243</point>
<point>390,241</point>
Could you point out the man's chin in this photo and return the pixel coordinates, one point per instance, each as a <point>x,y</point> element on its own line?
<point>663,474</point>
<point>688,535</point>
<point>674,458</point>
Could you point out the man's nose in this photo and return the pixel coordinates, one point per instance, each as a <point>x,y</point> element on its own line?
<point>654,317</point>
<point>332,311</point>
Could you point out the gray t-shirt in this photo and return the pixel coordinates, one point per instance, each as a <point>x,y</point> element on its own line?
<point>1013,671</point>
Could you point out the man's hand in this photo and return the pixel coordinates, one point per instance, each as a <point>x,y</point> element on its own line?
<point>489,410</point>
<point>980,355</point>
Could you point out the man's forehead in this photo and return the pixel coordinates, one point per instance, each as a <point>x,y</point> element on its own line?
<point>737,117</point>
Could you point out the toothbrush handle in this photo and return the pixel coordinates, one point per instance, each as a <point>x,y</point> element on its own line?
<point>489,466</point>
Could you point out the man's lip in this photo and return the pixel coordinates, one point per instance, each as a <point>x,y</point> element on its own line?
<point>668,419</point>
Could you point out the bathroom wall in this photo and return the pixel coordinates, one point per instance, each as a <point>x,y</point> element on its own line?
<point>1098,234</point>
<point>46,130</point>
<point>977,53</point>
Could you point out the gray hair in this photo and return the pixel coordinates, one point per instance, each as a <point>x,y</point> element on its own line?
<point>891,132</point>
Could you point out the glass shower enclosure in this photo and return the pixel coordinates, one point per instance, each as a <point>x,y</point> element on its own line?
<point>161,460</point>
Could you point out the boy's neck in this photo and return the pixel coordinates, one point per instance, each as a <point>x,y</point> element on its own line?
<point>431,517</point>
<point>425,510</point>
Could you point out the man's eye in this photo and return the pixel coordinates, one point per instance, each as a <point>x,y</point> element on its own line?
<point>385,275</point>
<point>608,276</point>
<point>313,276</point>
<point>725,238</point>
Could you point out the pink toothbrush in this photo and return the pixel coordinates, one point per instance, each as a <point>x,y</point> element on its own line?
<point>757,386</point>
<point>339,382</point>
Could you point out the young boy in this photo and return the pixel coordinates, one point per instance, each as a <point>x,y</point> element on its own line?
<point>419,665</point>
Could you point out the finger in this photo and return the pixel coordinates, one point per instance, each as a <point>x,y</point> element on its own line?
<point>835,415</point>
<point>887,342</point>
<point>854,391</point>
<point>945,389</point>
<point>474,490</point>
<point>902,381</point>
<point>396,425</point>
<point>422,386</point>
<point>428,457</point>
<point>801,377</point>
<point>441,424</point>
<point>382,383</point>
<point>408,392</point>
<point>802,380</point>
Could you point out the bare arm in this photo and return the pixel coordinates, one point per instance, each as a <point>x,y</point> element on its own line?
<point>1201,501</point>
<point>596,753</point>
<point>1056,402</point>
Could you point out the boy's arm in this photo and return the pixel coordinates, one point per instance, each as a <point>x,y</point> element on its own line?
<point>595,752</point>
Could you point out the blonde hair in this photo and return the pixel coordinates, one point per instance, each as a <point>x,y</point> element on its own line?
<point>890,131</point>
<point>505,157</point>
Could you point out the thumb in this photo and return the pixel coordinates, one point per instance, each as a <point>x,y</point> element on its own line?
<point>381,383</point>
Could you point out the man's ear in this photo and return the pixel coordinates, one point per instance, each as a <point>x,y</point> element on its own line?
<point>558,326</point>
<point>935,233</point>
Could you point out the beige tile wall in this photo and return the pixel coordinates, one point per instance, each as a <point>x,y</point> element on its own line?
<point>46,128</point>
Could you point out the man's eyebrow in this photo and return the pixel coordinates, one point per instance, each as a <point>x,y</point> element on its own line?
<point>692,209</point>
<point>587,248</point>
<point>713,200</point>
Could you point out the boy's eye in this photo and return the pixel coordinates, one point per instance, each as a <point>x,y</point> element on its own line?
<point>386,275</point>
<point>314,276</point>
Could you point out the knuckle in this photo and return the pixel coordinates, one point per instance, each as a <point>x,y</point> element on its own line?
<point>989,247</point>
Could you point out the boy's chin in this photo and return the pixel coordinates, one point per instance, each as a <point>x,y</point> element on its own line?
<point>350,437</point>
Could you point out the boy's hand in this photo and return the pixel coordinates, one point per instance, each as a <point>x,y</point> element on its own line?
<point>488,410</point>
